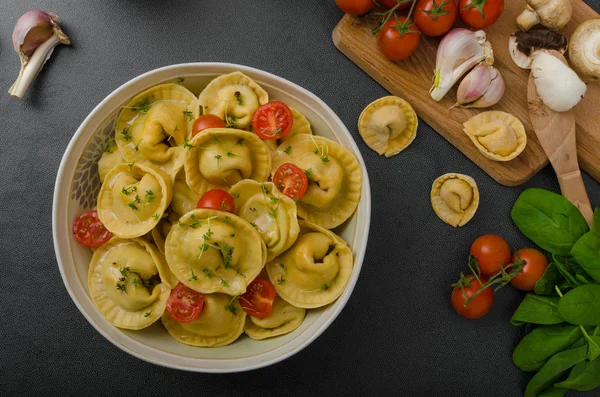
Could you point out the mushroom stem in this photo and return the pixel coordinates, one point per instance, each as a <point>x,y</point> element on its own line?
<point>528,19</point>
<point>31,68</point>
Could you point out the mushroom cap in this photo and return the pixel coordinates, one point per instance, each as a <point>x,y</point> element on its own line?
<point>523,45</point>
<point>553,14</point>
<point>584,50</point>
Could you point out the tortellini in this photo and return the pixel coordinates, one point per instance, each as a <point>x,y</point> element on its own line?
<point>184,198</point>
<point>154,125</point>
<point>301,125</point>
<point>388,125</point>
<point>283,319</point>
<point>218,158</point>
<point>110,159</point>
<point>233,97</point>
<point>129,282</point>
<point>499,136</point>
<point>220,323</point>
<point>315,270</point>
<point>214,251</point>
<point>273,214</point>
<point>133,199</point>
<point>334,174</point>
<point>161,231</point>
<point>455,198</point>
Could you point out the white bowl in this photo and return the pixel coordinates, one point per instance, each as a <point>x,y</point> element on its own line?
<point>77,186</point>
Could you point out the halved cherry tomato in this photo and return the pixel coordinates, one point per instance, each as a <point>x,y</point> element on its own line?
<point>355,7</point>
<point>258,299</point>
<point>291,180</point>
<point>491,251</point>
<point>435,17</point>
<point>480,14</point>
<point>89,231</point>
<point>533,270</point>
<point>479,306</point>
<point>273,120</point>
<point>217,199</point>
<point>184,304</point>
<point>207,121</point>
<point>397,41</point>
<point>391,3</point>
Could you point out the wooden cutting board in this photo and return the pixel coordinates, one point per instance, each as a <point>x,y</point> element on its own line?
<point>411,80</point>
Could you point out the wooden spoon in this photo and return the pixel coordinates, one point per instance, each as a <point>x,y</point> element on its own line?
<point>556,133</point>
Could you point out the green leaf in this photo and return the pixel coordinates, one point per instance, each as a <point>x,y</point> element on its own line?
<point>586,252</point>
<point>553,392</point>
<point>596,223</point>
<point>581,305</point>
<point>542,343</point>
<point>593,348</point>
<point>584,376</point>
<point>567,267</point>
<point>545,285</point>
<point>537,310</point>
<point>549,220</point>
<point>556,366</point>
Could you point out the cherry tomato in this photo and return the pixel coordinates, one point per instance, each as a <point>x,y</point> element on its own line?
<point>258,299</point>
<point>491,252</point>
<point>398,41</point>
<point>217,199</point>
<point>291,180</point>
<point>480,14</point>
<point>207,121</point>
<point>184,304</point>
<point>355,7</point>
<point>89,231</point>
<point>435,17</point>
<point>273,120</point>
<point>533,270</point>
<point>479,306</point>
<point>391,3</point>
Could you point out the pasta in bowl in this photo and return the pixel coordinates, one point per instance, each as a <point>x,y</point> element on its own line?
<point>211,259</point>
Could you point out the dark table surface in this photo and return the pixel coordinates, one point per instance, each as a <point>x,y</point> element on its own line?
<point>397,336</point>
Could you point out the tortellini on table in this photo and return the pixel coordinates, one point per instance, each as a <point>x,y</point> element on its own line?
<point>283,319</point>
<point>273,214</point>
<point>234,98</point>
<point>133,199</point>
<point>334,174</point>
<point>129,282</point>
<point>455,198</point>
<point>499,136</point>
<point>218,158</point>
<point>214,251</point>
<point>315,270</point>
<point>220,323</point>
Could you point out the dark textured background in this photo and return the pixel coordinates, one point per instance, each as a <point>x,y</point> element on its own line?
<point>397,336</point>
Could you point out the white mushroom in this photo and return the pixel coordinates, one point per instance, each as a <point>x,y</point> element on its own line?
<point>523,45</point>
<point>553,14</point>
<point>584,50</point>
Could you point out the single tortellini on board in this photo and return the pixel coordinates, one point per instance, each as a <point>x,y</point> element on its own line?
<point>334,175</point>
<point>130,282</point>
<point>300,125</point>
<point>499,136</point>
<point>273,214</point>
<point>220,323</point>
<point>455,198</point>
<point>218,158</point>
<point>155,124</point>
<point>133,199</point>
<point>388,125</point>
<point>315,270</point>
<point>283,319</point>
<point>233,97</point>
<point>215,251</point>
<point>110,159</point>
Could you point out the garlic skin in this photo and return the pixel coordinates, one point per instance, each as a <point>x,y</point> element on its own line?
<point>558,85</point>
<point>483,87</point>
<point>459,51</point>
<point>35,35</point>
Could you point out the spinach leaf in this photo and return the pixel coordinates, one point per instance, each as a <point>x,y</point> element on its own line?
<point>583,377</point>
<point>537,310</point>
<point>553,369</point>
<point>596,223</point>
<point>545,285</point>
<point>542,343</point>
<point>581,305</point>
<point>593,348</point>
<point>553,392</point>
<point>586,252</point>
<point>567,267</point>
<point>549,220</point>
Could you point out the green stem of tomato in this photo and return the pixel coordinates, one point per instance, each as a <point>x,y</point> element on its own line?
<point>388,14</point>
<point>502,278</point>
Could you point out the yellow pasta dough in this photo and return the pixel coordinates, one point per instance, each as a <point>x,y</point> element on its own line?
<point>110,159</point>
<point>283,319</point>
<point>300,125</point>
<point>499,136</point>
<point>455,198</point>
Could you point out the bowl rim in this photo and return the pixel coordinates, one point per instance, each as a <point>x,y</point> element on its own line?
<point>60,210</point>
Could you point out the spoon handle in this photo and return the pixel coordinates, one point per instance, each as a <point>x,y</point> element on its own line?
<point>572,187</point>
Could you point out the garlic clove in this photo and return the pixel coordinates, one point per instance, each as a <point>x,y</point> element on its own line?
<point>483,87</point>
<point>492,95</point>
